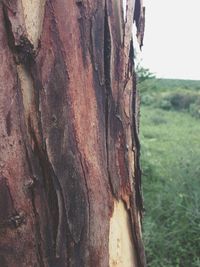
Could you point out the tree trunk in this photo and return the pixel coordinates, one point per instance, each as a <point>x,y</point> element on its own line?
<point>69,161</point>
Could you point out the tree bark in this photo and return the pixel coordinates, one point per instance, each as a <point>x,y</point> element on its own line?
<point>69,162</point>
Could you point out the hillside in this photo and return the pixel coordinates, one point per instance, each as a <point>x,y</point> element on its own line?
<point>170,156</point>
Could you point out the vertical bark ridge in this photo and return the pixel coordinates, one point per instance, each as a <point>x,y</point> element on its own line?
<point>13,157</point>
<point>41,169</point>
<point>124,139</point>
<point>107,58</point>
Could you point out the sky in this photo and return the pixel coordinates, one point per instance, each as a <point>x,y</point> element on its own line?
<point>172,38</point>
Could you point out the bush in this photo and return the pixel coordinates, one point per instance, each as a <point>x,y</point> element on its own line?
<point>194,109</point>
<point>181,100</point>
<point>165,104</point>
<point>147,99</point>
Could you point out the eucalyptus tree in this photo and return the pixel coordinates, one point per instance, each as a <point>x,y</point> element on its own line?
<point>69,162</point>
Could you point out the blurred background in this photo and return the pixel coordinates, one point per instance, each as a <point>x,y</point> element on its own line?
<point>169,83</point>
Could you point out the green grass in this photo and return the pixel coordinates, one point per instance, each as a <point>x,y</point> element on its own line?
<point>170,156</point>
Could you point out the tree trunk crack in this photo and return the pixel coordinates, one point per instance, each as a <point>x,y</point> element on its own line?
<point>87,189</point>
<point>38,231</point>
<point>107,78</point>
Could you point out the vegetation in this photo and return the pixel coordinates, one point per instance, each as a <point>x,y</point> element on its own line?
<point>143,74</point>
<point>170,134</point>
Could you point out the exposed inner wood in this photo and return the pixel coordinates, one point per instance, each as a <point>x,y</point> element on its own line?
<point>33,15</point>
<point>121,248</point>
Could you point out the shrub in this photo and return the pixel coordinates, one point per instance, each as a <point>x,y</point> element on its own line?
<point>182,100</point>
<point>147,99</point>
<point>194,109</point>
<point>165,104</point>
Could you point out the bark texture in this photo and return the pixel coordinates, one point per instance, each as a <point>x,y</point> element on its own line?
<point>69,161</point>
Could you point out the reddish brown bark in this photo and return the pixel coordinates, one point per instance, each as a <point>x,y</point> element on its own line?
<point>73,149</point>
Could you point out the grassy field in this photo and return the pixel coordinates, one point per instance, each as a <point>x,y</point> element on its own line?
<point>170,84</point>
<point>170,156</point>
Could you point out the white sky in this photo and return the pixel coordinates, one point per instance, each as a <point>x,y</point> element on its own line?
<point>172,38</point>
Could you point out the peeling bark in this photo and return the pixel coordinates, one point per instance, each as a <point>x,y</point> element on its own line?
<point>69,159</point>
